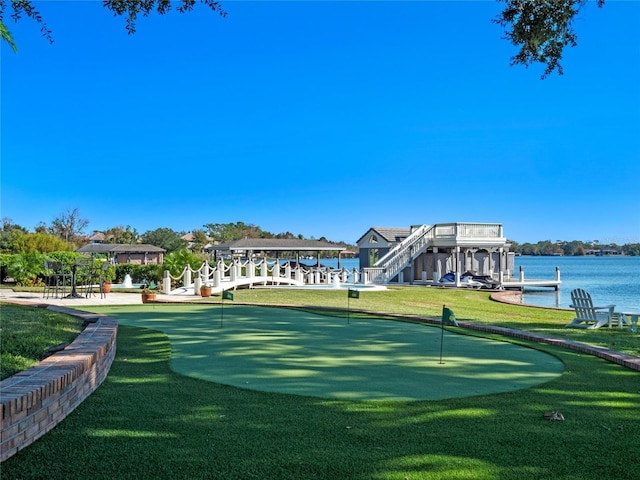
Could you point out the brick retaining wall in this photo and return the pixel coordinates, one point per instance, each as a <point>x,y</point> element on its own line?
<point>36,400</point>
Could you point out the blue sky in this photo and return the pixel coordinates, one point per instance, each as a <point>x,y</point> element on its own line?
<point>322,119</point>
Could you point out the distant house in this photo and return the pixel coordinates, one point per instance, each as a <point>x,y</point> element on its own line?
<point>603,252</point>
<point>142,254</point>
<point>97,237</point>
<point>190,238</point>
<point>137,254</point>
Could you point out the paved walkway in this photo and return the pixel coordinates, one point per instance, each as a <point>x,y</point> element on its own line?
<point>112,298</point>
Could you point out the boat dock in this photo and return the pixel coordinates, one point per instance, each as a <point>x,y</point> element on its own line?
<point>521,285</point>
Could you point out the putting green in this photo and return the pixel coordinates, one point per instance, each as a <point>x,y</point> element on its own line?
<point>302,353</point>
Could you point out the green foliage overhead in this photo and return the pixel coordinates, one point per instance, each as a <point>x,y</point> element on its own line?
<point>541,29</point>
<point>131,9</point>
<point>5,35</point>
<point>22,8</point>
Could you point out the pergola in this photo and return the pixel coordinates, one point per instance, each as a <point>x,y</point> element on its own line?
<point>274,247</point>
<point>125,253</point>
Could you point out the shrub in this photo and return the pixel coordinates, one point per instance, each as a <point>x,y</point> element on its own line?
<point>27,269</point>
<point>176,261</point>
<point>139,273</point>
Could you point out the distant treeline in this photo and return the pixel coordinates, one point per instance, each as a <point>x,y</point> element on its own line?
<point>574,248</point>
<point>67,233</point>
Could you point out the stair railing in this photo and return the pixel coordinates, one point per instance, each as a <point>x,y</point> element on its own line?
<point>399,256</point>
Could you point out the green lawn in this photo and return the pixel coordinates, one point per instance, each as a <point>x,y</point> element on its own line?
<point>146,421</point>
<point>26,333</point>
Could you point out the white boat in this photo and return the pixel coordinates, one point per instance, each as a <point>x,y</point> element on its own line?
<point>466,280</point>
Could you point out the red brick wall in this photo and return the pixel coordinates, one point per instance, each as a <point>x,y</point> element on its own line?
<point>36,400</point>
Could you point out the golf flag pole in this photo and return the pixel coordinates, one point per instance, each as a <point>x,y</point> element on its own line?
<point>351,293</point>
<point>449,318</point>
<point>226,295</point>
<point>222,310</point>
<point>441,333</point>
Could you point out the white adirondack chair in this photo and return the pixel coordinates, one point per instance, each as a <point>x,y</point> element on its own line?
<point>587,315</point>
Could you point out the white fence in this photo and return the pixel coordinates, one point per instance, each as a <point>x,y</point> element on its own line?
<point>223,275</point>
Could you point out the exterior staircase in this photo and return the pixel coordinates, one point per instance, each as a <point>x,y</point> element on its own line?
<point>401,255</point>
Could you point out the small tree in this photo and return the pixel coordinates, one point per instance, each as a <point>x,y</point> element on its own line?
<point>176,261</point>
<point>68,226</point>
<point>122,234</point>
<point>38,242</point>
<point>8,235</point>
<point>164,238</point>
<point>200,240</point>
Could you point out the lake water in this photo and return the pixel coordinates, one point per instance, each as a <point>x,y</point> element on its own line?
<point>609,280</point>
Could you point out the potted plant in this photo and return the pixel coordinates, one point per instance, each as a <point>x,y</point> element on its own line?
<point>148,295</point>
<point>107,275</point>
<point>205,291</point>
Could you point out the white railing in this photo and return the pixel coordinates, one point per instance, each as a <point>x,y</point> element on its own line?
<point>468,230</point>
<point>251,272</point>
<point>373,275</point>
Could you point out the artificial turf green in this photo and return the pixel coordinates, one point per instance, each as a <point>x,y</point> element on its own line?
<point>363,358</point>
<point>147,421</point>
<point>468,304</point>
